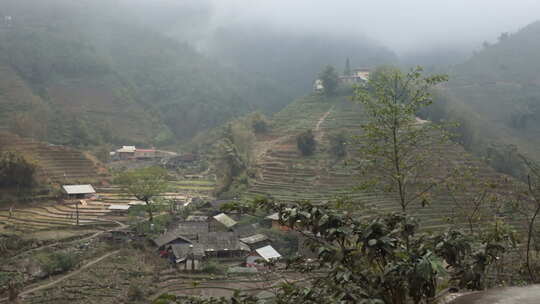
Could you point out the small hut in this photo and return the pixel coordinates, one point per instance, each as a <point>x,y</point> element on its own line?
<point>266,253</point>
<point>119,209</point>
<point>78,191</point>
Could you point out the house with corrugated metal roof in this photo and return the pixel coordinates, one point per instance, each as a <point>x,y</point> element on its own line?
<point>223,244</point>
<point>266,253</point>
<point>255,241</point>
<point>126,152</point>
<point>78,191</point>
<point>221,222</point>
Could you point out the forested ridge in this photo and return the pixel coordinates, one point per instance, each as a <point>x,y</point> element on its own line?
<point>96,72</point>
<point>494,96</point>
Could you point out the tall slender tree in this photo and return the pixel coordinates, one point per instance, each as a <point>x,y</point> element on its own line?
<point>395,143</point>
<point>347,71</point>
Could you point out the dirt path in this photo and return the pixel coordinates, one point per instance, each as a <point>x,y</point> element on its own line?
<point>318,133</point>
<point>322,119</point>
<point>263,147</point>
<point>41,286</point>
<point>47,285</point>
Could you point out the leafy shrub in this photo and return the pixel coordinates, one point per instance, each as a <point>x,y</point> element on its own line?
<point>338,144</point>
<point>16,171</point>
<point>135,292</point>
<point>58,262</point>
<point>306,142</point>
<point>213,267</point>
<point>259,123</point>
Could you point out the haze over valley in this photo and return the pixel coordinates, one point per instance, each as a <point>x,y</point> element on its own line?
<point>209,151</point>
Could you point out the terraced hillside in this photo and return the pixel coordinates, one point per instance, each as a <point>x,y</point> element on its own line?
<point>283,173</point>
<point>58,164</point>
<point>287,175</point>
<point>55,217</point>
<point>182,190</point>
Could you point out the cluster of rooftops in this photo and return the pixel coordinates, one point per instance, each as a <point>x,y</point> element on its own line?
<point>199,237</point>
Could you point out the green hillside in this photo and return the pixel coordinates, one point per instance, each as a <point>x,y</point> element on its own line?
<point>102,71</point>
<point>101,77</point>
<point>282,172</point>
<point>496,95</point>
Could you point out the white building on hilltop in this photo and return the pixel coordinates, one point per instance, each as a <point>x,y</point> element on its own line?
<point>358,76</point>
<point>318,86</point>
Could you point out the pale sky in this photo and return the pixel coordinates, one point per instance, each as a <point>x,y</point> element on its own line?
<point>401,25</point>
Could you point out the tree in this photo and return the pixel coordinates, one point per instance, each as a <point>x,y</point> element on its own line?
<point>144,184</point>
<point>306,142</point>
<point>528,204</point>
<point>347,71</point>
<point>503,36</point>
<point>474,198</point>
<point>16,171</point>
<point>329,78</point>
<point>338,144</point>
<point>259,123</point>
<point>395,143</point>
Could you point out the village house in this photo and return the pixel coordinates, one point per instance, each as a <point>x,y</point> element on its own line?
<point>133,153</point>
<point>266,253</point>
<point>318,86</point>
<point>119,209</point>
<point>223,244</point>
<point>126,152</point>
<point>188,256</point>
<point>221,222</point>
<point>255,241</point>
<point>145,153</point>
<point>164,241</point>
<point>192,229</point>
<point>274,218</point>
<point>358,76</point>
<point>191,242</point>
<point>78,191</point>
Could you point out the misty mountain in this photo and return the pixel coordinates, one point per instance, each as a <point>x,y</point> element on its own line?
<point>100,76</point>
<point>127,71</point>
<point>292,58</point>
<point>495,96</point>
